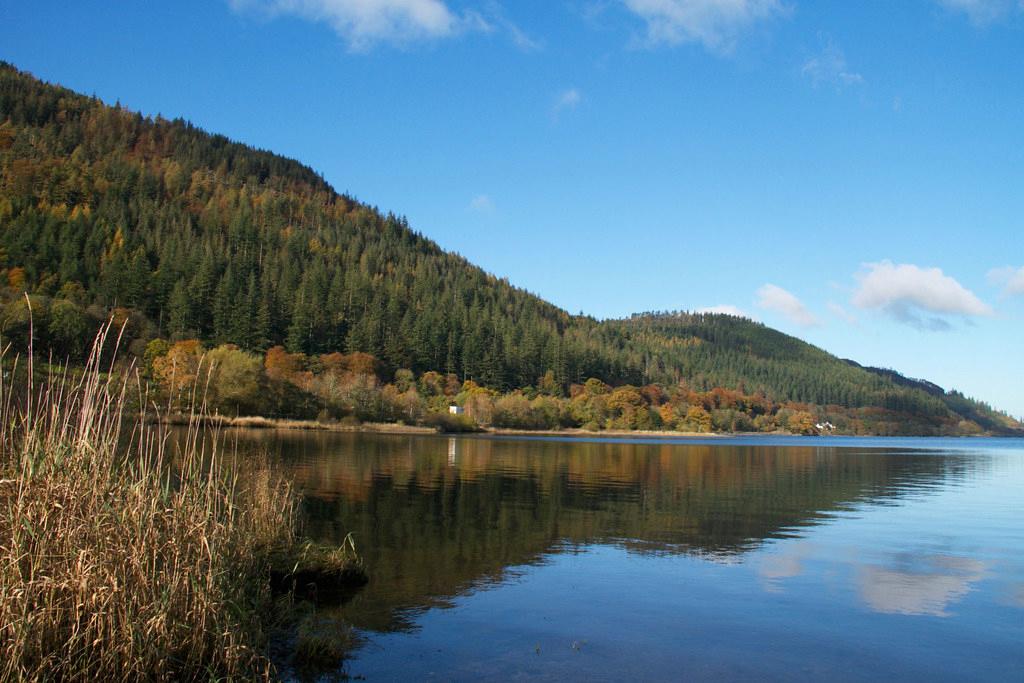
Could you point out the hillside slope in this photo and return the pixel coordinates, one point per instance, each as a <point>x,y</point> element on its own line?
<point>717,350</point>
<point>190,235</point>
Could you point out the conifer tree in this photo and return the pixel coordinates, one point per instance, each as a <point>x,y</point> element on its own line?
<point>179,312</point>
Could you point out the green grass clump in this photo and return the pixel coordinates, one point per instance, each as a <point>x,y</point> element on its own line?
<point>323,574</point>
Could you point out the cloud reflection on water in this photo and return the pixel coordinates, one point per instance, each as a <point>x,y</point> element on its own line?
<point>776,567</point>
<point>927,588</point>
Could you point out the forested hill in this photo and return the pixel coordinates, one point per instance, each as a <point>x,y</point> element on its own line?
<point>212,239</point>
<point>709,351</point>
<point>188,235</point>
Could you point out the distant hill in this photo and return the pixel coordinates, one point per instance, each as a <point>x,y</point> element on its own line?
<point>184,234</point>
<point>922,384</point>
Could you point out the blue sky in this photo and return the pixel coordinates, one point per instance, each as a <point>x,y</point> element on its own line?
<point>848,172</point>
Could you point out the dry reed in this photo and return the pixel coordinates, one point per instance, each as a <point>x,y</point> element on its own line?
<point>122,558</point>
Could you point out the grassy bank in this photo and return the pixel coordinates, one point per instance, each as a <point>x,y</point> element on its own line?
<point>122,558</point>
<point>257,422</point>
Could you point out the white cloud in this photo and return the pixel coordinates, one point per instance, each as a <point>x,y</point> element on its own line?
<point>982,12</point>
<point>521,40</point>
<point>715,24</point>
<point>773,298</point>
<point>1010,279</point>
<point>829,67</point>
<point>364,23</point>
<point>916,296</point>
<point>481,203</point>
<point>725,309</point>
<point>567,99</point>
<point>841,313</point>
<point>496,15</point>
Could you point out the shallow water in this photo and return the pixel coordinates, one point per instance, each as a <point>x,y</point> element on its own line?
<point>726,559</point>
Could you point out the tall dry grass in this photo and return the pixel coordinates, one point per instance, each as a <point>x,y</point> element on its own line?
<point>122,558</point>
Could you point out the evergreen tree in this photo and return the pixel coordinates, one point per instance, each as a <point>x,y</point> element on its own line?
<point>179,312</point>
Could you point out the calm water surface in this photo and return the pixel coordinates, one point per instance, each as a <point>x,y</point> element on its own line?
<point>727,559</point>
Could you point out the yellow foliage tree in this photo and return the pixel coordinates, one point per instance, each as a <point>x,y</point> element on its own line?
<point>698,419</point>
<point>802,422</point>
<point>178,370</point>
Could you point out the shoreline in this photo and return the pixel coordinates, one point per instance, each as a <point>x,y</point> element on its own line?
<point>395,428</point>
<point>618,433</point>
<point>256,422</point>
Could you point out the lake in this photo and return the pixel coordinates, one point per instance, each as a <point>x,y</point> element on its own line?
<point>745,559</point>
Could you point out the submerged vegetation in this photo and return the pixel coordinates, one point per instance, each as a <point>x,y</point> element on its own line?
<point>124,558</point>
<point>193,241</point>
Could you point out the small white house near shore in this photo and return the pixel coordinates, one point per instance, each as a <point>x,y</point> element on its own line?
<point>456,410</point>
